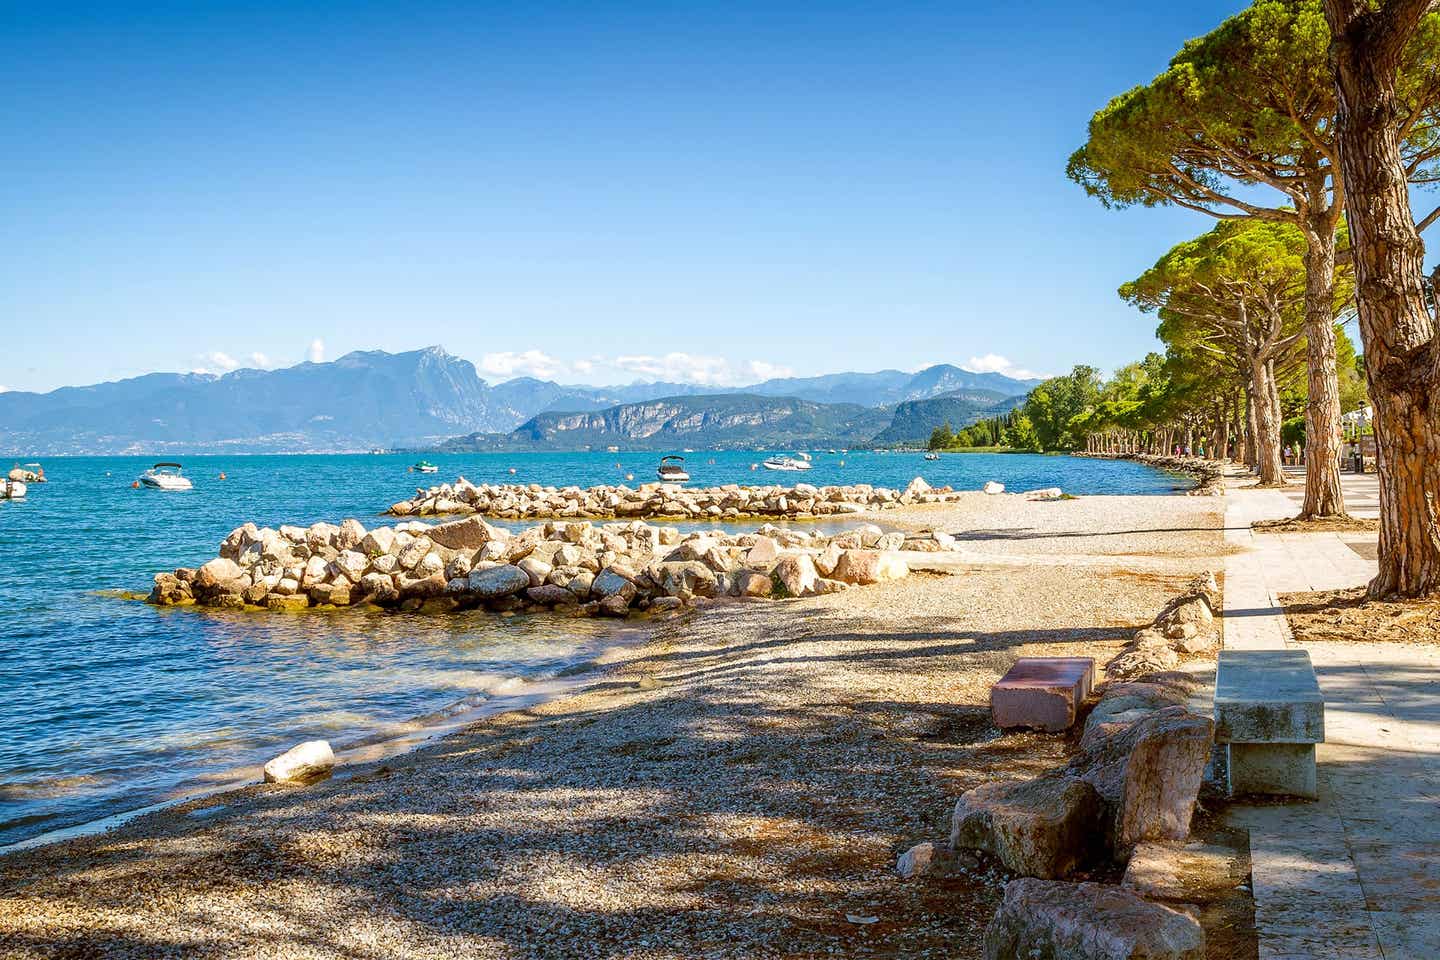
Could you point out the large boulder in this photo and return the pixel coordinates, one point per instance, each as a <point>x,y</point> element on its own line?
<point>610,583</point>
<point>684,578</point>
<point>1044,827</point>
<point>797,574</point>
<point>1148,773</point>
<point>169,591</point>
<point>350,535</point>
<point>502,581</point>
<point>214,573</point>
<point>1050,920</point>
<point>869,566</point>
<point>378,541</point>
<point>306,763</point>
<point>471,533</point>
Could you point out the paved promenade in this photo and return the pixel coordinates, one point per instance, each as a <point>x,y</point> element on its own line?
<point>1356,874</point>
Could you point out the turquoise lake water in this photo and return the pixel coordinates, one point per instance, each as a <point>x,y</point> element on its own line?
<point>111,704</point>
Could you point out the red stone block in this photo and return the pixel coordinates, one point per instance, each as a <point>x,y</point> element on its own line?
<point>1042,692</point>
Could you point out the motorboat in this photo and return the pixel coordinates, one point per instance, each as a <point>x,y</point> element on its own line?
<point>29,473</point>
<point>672,470</point>
<point>932,456</point>
<point>801,461</point>
<point>165,476</point>
<point>425,466</point>
<point>11,489</point>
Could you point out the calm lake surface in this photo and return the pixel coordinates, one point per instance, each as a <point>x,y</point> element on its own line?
<point>110,704</point>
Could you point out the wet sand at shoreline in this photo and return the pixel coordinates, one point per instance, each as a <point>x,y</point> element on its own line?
<point>733,788</point>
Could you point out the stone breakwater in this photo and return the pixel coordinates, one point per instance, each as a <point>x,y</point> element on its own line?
<point>663,500</point>
<point>579,567</point>
<point>1209,474</point>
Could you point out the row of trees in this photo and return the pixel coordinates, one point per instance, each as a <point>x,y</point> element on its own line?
<point>1011,431</point>
<point>1302,125</point>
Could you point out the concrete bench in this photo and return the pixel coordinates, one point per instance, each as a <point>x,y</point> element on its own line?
<point>1042,693</point>
<point>1269,714</point>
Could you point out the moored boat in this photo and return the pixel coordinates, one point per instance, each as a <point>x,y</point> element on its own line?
<point>672,469</point>
<point>425,466</point>
<point>165,476</point>
<point>801,461</point>
<point>11,489</point>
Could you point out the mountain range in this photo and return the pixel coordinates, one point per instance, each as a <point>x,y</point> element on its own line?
<point>431,399</point>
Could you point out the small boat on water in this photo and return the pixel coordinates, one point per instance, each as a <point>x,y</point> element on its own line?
<point>11,489</point>
<point>29,473</point>
<point>612,449</point>
<point>425,466</point>
<point>801,461</point>
<point>672,470</point>
<point>932,456</point>
<point>165,476</point>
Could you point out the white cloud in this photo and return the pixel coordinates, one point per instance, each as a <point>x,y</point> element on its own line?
<point>994,363</point>
<point>761,370</point>
<point>217,360</point>
<point>530,363</point>
<point>316,352</point>
<point>4,389</point>
<point>259,360</point>
<point>582,367</point>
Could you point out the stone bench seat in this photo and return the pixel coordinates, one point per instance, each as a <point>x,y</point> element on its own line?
<point>1269,714</point>
<point>1042,693</point>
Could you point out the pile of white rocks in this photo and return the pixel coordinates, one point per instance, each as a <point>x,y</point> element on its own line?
<point>663,500</point>
<point>582,567</point>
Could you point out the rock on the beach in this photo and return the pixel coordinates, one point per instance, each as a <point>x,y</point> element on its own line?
<point>1044,827</point>
<point>1044,493</point>
<point>502,581</point>
<point>930,859</point>
<point>1051,920</point>
<point>797,574</point>
<point>869,566</point>
<point>993,487</point>
<point>1148,773</point>
<point>763,551</point>
<point>310,761</point>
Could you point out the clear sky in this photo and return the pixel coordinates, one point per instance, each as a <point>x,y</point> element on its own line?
<point>594,191</point>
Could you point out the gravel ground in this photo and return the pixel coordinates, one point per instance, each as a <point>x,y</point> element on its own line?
<point>737,787</point>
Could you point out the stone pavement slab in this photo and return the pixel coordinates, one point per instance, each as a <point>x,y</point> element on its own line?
<point>1356,873</point>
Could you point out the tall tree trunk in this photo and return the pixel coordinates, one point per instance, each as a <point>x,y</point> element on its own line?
<point>1252,458</point>
<point>1266,403</point>
<point>1323,494</point>
<point>1396,328</point>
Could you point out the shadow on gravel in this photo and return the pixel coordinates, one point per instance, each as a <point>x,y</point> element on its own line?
<point>748,800</point>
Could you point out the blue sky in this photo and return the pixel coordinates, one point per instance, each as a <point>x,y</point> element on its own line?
<point>596,192</point>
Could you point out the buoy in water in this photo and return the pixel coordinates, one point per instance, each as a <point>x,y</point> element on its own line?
<point>135,485</point>
<point>222,474</point>
<point>754,466</point>
<point>512,469</point>
<point>629,476</point>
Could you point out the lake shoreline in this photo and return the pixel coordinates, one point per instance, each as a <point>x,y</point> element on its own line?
<point>829,731</point>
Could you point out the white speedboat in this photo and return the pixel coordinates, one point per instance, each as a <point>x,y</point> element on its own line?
<point>801,461</point>
<point>11,489</point>
<point>672,470</point>
<point>932,456</point>
<point>165,476</point>
<point>425,466</point>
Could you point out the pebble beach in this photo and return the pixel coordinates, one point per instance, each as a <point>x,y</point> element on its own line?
<point>738,785</point>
